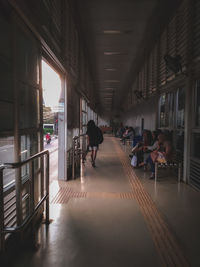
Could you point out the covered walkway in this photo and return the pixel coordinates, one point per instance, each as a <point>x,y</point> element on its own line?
<point>114,216</point>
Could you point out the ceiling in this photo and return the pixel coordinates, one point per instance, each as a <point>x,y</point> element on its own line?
<point>116,35</point>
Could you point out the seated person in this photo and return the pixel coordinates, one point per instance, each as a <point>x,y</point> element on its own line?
<point>129,134</point>
<point>162,154</point>
<point>148,149</point>
<point>138,150</point>
<point>120,131</point>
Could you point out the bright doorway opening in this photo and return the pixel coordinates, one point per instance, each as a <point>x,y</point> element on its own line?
<point>51,84</point>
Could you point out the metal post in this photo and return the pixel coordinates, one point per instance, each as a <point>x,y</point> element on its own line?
<point>73,160</point>
<point>2,238</point>
<point>47,188</point>
<point>156,171</point>
<point>32,197</point>
<point>179,172</point>
<point>41,160</point>
<point>18,196</point>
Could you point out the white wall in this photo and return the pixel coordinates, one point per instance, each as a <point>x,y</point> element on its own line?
<point>146,110</point>
<point>103,121</point>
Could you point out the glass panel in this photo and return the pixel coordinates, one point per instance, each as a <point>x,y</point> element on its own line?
<point>28,107</point>
<point>83,105</point>
<point>181,108</point>
<point>180,140</point>
<point>6,116</point>
<point>162,110</point>
<point>171,109</point>
<point>29,147</point>
<point>7,156</point>
<point>25,154</point>
<point>196,145</point>
<point>6,75</point>
<point>197,105</point>
<point>84,129</point>
<point>38,107</point>
<point>26,57</point>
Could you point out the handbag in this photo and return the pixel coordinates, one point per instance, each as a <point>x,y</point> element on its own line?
<point>134,161</point>
<point>161,158</point>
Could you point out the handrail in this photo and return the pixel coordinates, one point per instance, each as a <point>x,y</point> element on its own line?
<point>21,223</point>
<point>21,163</point>
<point>76,154</point>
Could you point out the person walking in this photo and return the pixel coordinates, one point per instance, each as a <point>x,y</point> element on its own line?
<point>95,137</point>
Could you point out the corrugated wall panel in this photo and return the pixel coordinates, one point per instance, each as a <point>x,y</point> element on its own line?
<point>194,173</point>
<point>163,52</point>
<point>182,31</point>
<point>196,41</point>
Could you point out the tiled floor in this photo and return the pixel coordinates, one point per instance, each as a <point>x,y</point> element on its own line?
<point>114,216</point>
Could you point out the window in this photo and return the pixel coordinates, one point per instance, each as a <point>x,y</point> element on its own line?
<point>7,156</point>
<point>197,105</point>
<point>180,108</point>
<point>84,116</point>
<point>196,145</point>
<point>163,111</point>
<point>171,109</point>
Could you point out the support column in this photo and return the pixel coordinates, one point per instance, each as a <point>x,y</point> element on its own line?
<point>62,132</point>
<point>188,94</point>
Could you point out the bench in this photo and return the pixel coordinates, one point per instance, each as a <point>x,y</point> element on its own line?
<point>132,142</point>
<point>106,129</point>
<point>175,163</point>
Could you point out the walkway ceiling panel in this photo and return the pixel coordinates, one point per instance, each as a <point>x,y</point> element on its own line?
<point>114,32</point>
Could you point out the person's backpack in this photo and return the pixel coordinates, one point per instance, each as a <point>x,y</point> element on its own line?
<point>99,136</point>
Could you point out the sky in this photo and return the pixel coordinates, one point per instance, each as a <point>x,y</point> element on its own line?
<point>51,84</point>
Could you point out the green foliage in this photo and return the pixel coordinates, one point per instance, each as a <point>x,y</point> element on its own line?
<point>47,130</point>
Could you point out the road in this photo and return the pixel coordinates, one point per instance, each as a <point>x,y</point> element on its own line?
<point>53,150</point>
<point>7,156</point>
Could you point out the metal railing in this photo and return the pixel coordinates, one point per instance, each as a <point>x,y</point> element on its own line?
<point>20,202</point>
<point>75,155</point>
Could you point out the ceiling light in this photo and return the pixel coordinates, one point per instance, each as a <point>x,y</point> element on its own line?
<point>112,32</point>
<point>110,69</point>
<point>111,81</point>
<point>111,53</point>
<point>107,94</point>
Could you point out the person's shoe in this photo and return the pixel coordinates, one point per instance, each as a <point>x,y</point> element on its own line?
<point>152,177</point>
<point>141,164</point>
<point>93,164</point>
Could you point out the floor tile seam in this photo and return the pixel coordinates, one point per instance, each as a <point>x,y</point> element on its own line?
<point>134,181</point>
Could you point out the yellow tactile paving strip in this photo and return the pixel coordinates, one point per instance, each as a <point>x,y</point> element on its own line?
<point>65,193</point>
<point>164,241</point>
